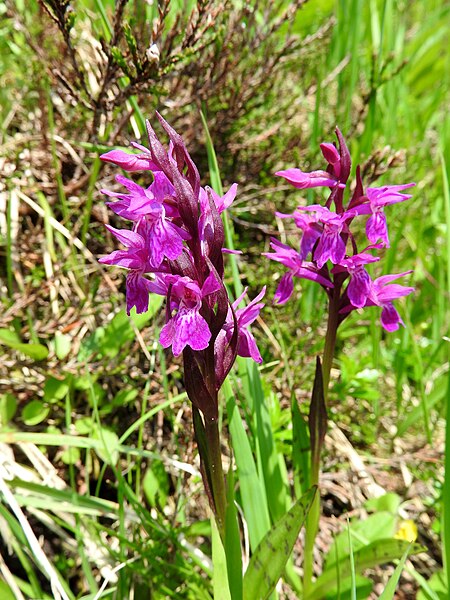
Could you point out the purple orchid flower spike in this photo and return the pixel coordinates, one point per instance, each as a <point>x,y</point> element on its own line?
<point>328,235</point>
<point>175,249</point>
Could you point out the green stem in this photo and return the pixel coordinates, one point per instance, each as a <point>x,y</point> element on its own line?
<point>313,517</point>
<point>216,473</point>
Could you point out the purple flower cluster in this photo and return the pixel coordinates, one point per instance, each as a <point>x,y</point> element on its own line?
<point>327,237</point>
<point>175,248</point>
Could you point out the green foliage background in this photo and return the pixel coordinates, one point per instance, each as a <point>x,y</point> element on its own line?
<point>95,427</point>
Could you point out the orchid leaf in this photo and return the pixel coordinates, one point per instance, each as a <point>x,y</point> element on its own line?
<point>220,575</point>
<point>317,420</point>
<point>232,544</point>
<point>378,553</point>
<point>269,560</point>
<point>252,491</point>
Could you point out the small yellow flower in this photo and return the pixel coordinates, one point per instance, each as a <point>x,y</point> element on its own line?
<point>407,530</point>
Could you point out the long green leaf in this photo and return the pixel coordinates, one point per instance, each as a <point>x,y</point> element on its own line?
<point>269,560</point>
<point>220,575</point>
<point>301,450</point>
<point>317,421</point>
<point>64,500</point>
<point>233,549</point>
<point>252,490</point>
<point>377,553</point>
<point>277,487</point>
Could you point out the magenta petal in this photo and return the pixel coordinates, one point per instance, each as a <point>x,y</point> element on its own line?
<point>359,288</point>
<point>384,279</point>
<point>228,198</point>
<point>129,184</point>
<point>390,319</point>
<point>210,285</point>
<point>124,258</point>
<point>309,238</point>
<point>173,241</point>
<point>167,334</point>
<point>223,202</point>
<point>337,250</point>
<point>284,289</point>
<point>302,180</point>
<point>284,254</point>
<point>330,247</point>
<point>128,238</point>
<point>393,291</point>
<point>156,249</point>
<point>128,162</point>
<point>122,208</point>
<point>376,228</point>
<point>312,275</point>
<point>190,329</point>
<point>330,153</point>
<point>163,241</point>
<point>161,187</point>
<point>137,292</point>
<point>389,194</point>
<point>235,252</point>
<point>239,298</point>
<point>247,347</point>
<point>249,313</point>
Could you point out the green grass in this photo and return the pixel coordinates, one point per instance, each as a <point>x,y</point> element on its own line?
<point>94,422</point>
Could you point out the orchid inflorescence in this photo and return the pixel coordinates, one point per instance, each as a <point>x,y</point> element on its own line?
<point>175,249</point>
<point>327,237</point>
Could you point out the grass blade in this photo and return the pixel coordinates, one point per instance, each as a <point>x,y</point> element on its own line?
<point>389,590</point>
<point>446,496</point>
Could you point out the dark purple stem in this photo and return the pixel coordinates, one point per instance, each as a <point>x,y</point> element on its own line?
<point>216,473</point>
<point>330,337</point>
